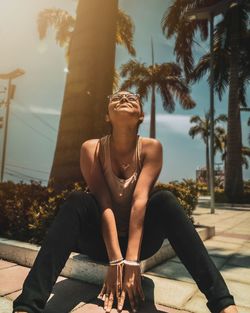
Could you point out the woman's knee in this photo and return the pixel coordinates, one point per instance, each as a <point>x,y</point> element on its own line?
<point>78,196</point>
<point>165,201</point>
<point>163,196</point>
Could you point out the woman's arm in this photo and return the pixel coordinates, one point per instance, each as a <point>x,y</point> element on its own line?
<point>150,171</point>
<point>93,174</point>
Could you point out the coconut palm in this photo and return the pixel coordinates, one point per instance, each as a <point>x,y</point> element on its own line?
<point>203,129</point>
<point>165,78</point>
<point>231,30</point>
<point>88,83</point>
<point>64,25</point>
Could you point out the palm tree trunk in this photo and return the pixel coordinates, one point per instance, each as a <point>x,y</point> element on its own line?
<point>89,81</point>
<point>233,175</point>
<point>152,116</point>
<point>207,166</point>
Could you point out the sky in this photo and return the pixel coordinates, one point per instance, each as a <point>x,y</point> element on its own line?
<point>36,107</point>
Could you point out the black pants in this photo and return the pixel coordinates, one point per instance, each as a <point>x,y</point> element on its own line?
<point>77,228</point>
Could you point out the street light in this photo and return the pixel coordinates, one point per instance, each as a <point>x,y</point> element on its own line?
<point>11,88</point>
<point>208,13</point>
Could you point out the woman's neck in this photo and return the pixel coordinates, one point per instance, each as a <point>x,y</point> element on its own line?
<point>124,140</point>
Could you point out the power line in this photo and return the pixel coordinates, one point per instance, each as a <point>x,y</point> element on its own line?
<point>37,131</point>
<point>28,168</point>
<point>18,174</point>
<point>38,117</point>
<point>43,121</point>
<point>23,178</point>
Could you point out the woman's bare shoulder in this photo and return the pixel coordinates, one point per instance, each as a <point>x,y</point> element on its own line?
<point>149,146</point>
<point>90,146</point>
<point>149,143</point>
<point>90,142</point>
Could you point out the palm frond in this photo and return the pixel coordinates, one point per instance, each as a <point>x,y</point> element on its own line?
<point>194,131</point>
<point>180,90</point>
<point>220,118</point>
<point>201,68</point>
<point>134,68</point>
<point>195,119</point>
<point>60,20</point>
<point>125,31</point>
<point>167,99</point>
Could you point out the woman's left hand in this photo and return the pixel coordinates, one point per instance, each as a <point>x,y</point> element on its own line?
<point>132,287</point>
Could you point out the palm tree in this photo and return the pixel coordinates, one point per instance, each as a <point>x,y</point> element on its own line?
<point>165,78</point>
<point>230,31</point>
<point>88,83</point>
<point>222,77</point>
<point>64,25</point>
<point>203,129</point>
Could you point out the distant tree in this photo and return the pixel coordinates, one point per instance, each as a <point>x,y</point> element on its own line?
<point>203,128</point>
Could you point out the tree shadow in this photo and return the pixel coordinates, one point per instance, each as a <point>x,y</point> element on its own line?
<point>69,294</point>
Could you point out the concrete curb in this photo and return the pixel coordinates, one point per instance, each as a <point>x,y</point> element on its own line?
<point>80,266</point>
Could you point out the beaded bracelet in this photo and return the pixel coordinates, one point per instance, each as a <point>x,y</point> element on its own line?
<point>116,262</point>
<point>134,263</point>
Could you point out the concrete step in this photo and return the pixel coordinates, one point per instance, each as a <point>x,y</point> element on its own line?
<point>80,266</point>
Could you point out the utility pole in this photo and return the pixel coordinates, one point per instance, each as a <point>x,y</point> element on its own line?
<point>209,13</point>
<point>11,88</point>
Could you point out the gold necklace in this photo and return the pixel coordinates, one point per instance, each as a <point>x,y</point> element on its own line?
<point>125,166</point>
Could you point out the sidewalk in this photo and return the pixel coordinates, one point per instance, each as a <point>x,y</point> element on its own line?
<point>168,287</point>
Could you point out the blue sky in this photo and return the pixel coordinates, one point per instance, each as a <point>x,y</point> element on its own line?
<point>35,110</point>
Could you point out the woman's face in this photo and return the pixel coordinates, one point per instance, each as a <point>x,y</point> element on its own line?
<point>126,105</point>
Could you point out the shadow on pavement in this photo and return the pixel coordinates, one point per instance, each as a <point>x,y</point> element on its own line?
<point>69,294</point>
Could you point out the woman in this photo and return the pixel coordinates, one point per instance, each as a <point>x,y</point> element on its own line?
<point>114,222</point>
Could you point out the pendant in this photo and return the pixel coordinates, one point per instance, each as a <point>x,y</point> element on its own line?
<point>125,166</point>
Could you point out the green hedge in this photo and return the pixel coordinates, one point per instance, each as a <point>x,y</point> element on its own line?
<point>27,210</point>
<point>221,197</point>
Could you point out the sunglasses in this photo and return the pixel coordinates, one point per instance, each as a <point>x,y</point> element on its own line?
<point>131,97</point>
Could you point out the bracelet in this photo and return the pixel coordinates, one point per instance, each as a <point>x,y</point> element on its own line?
<point>134,263</point>
<point>116,262</point>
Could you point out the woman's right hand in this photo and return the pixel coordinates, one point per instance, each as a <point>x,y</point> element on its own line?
<point>112,286</point>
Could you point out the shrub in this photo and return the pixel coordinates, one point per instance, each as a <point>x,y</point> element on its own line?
<point>27,210</point>
<point>221,197</point>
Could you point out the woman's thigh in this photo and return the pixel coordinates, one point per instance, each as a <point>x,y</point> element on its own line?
<point>90,240</point>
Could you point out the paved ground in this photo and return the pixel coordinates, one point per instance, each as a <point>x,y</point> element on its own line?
<point>169,284</point>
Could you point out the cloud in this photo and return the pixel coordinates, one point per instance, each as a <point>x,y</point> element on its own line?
<point>37,110</point>
<point>49,111</point>
<point>176,123</point>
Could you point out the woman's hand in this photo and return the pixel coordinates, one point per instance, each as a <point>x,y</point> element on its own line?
<point>112,286</point>
<point>131,286</point>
